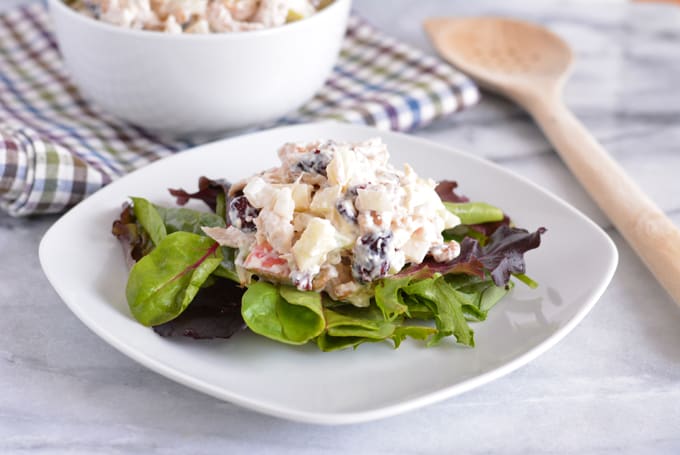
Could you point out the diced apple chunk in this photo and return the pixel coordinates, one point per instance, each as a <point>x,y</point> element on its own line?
<point>323,202</point>
<point>258,192</point>
<point>342,167</point>
<point>284,204</point>
<point>374,199</point>
<point>302,195</point>
<point>313,246</point>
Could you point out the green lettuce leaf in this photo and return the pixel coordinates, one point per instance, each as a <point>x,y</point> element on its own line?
<point>162,284</point>
<point>283,313</point>
<point>215,312</point>
<point>187,220</point>
<point>329,343</point>
<point>180,219</point>
<point>476,295</point>
<point>147,215</point>
<point>474,212</point>
<point>303,318</point>
<point>389,298</point>
<point>349,326</point>
<point>156,222</point>
<point>350,321</point>
<point>417,332</point>
<point>417,309</point>
<point>440,297</point>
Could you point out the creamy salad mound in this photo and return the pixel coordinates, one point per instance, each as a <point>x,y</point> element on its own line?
<point>334,217</point>
<point>198,16</point>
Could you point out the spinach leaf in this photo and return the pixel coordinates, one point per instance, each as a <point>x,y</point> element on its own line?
<point>267,311</point>
<point>148,216</point>
<point>221,206</point>
<point>303,319</point>
<point>188,220</point>
<point>163,283</point>
<point>215,312</point>
<point>227,268</point>
<point>135,226</point>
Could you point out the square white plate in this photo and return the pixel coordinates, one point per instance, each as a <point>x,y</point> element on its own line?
<point>574,265</point>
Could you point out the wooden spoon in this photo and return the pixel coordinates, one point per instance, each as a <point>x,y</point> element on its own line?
<point>529,64</point>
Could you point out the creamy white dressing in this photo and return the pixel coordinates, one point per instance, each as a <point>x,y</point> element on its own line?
<point>334,217</point>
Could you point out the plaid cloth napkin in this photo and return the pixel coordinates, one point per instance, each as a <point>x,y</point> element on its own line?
<point>56,148</point>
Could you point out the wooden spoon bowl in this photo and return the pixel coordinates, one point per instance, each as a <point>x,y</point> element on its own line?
<point>501,53</point>
<point>529,64</point>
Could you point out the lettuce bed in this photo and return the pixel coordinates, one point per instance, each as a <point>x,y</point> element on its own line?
<point>182,283</point>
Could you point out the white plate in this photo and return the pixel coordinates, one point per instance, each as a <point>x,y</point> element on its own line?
<point>574,265</point>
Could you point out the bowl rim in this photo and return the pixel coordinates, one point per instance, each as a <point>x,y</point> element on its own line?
<point>226,36</point>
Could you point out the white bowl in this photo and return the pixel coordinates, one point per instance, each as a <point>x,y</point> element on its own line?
<point>186,84</point>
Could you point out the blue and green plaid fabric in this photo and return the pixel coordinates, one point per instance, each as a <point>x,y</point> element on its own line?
<point>56,148</point>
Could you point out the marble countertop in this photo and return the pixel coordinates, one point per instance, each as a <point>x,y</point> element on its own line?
<point>612,385</point>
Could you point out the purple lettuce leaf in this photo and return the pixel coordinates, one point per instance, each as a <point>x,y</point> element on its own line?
<point>501,257</point>
<point>135,241</point>
<point>208,192</point>
<point>466,262</point>
<point>487,229</point>
<point>215,312</point>
<point>446,189</point>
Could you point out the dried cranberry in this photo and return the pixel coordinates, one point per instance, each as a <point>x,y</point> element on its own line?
<point>345,207</point>
<point>353,191</point>
<point>242,215</point>
<point>314,162</point>
<point>370,256</point>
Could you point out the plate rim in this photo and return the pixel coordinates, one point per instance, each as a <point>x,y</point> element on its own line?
<point>341,417</point>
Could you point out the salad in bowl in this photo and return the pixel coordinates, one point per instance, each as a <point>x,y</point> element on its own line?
<point>195,67</point>
<point>335,247</point>
<point>198,16</point>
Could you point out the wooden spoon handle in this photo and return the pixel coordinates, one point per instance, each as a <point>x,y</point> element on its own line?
<point>647,229</point>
